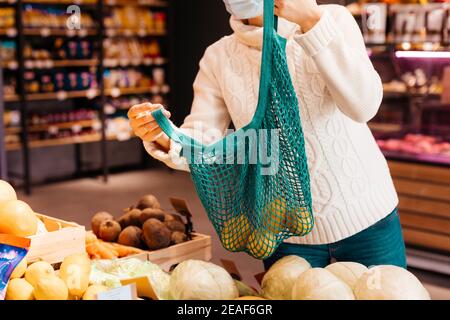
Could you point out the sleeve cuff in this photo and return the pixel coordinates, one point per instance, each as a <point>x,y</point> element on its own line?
<point>172,159</point>
<point>319,37</point>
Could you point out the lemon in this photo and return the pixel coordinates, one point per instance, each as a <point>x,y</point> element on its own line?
<point>261,244</point>
<point>235,233</point>
<point>274,216</point>
<point>299,222</point>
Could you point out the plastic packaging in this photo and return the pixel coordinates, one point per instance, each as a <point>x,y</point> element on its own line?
<point>12,250</point>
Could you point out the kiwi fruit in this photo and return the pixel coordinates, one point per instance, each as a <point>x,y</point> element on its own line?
<point>109,230</point>
<point>131,236</point>
<point>155,234</point>
<point>178,237</point>
<point>175,225</point>
<point>149,213</point>
<point>148,201</point>
<point>97,219</point>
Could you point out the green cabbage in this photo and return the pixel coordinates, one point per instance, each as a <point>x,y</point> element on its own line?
<point>110,272</point>
<point>200,280</point>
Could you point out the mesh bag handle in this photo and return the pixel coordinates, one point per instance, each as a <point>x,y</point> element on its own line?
<point>253,205</point>
<point>270,35</point>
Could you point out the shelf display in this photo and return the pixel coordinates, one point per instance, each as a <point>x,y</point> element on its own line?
<point>133,19</point>
<point>119,50</point>
<point>408,45</point>
<point>39,16</point>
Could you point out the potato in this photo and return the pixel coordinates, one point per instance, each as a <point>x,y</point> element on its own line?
<point>98,218</point>
<point>131,236</point>
<point>155,234</point>
<point>109,230</point>
<point>149,213</point>
<point>175,225</point>
<point>148,201</point>
<point>178,237</point>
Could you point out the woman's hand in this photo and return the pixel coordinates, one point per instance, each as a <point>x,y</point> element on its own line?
<point>305,13</point>
<point>145,126</point>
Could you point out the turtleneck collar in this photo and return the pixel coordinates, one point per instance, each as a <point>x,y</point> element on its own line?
<point>252,35</point>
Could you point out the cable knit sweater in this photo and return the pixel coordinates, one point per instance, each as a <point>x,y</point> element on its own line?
<point>338,92</point>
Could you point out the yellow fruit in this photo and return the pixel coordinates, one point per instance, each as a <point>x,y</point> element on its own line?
<point>7,192</point>
<point>51,288</point>
<point>19,289</point>
<point>92,291</point>
<point>75,271</point>
<point>38,270</point>
<point>20,269</point>
<point>17,218</point>
<point>299,222</point>
<point>235,233</point>
<point>261,245</point>
<point>274,216</point>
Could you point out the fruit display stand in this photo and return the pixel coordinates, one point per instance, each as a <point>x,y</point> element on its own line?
<point>199,248</point>
<point>62,239</point>
<point>424,192</point>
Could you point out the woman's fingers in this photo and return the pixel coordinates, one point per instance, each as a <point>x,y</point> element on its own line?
<point>139,109</point>
<point>152,135</point>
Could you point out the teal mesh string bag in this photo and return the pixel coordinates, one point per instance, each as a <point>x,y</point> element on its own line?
<point>254,184</point>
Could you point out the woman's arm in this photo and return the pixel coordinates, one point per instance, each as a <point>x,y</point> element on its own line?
<point>208,119</point>
<point>337,47</point>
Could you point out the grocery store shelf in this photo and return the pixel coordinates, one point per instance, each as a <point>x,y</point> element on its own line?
<point>11,97</point>
<point>116,92</point>
<point>9,32</point>
<point>115,63</point>
<point>441,160</point>
<point>47,32</point>
<point>45,127</point>
<point>9,64</point>
<point>53,2</point>
<point>385,127</point>
<point>63,95</point>
<point>141,3</point>
<point>112,32</point>
<point>48,64</point>
<point>65,141</point>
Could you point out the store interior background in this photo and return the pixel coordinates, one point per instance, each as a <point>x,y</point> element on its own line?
<point>61,190</point>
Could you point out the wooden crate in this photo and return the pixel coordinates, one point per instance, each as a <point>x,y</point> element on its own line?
<point>198,248</point>
<point>63,239</point>
<point>424,192</point>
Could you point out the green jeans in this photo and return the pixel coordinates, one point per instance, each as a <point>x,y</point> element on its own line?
<point>381,243</point>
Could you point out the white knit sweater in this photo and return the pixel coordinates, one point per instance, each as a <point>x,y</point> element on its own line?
<point>338,91</point>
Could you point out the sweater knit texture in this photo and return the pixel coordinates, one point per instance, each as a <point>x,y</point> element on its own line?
<point>338,90</point>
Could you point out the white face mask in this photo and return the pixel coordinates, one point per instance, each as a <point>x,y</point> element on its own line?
<point>244,9</point>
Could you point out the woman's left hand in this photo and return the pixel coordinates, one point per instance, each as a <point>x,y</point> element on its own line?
<point>305,13</point>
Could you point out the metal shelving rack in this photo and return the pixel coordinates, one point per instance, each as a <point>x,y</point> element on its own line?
<point>23,99</point>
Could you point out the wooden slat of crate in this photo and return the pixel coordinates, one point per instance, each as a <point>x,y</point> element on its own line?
<point>424,206</point>
<point>63,239</point>
<point>422,189</point>
<point>197,248</point>
<point>422,172</point>
<point>426,239</point>
<point>424,222</point>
